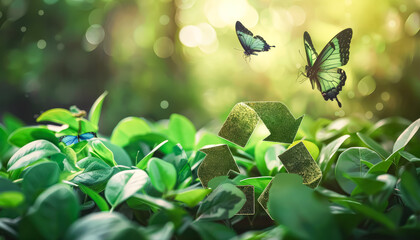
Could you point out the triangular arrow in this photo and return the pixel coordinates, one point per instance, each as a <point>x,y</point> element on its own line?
<point>218,162</point>
<point>244,117</point>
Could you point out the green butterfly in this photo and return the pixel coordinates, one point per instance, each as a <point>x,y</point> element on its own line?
<point>322,69</point>
<point>249,42</point>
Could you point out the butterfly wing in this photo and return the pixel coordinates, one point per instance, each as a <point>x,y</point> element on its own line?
<point>69,139</point>
<point>337,51</point>
<point>250,43</point>
<point>245,37</point>
<point>331,83</point>
<point>87,136</point>
<point>311,54</point>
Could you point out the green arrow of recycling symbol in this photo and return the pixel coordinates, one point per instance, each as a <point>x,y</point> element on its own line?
<point>243,119</point>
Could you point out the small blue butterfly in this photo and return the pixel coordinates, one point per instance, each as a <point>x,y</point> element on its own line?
<point>70,139</point>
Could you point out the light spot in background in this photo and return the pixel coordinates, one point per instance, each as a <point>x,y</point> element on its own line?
<point>208,34</point>
<point>41,44</point>
<point>385,96</point>
<point>143,36</point>
<point>298,15</point>
<point>350,94</point>
<point>393,25</point>
<point>348,2</point>
<point>41,12</point>
<point>412,24</point>
<point>366,85</point>
<point>184,4</point>
<point>190,36</point>
<point>163,47</point>
<point>379,106</point>
<point>222,13</point>
<point>23,29</point>
<point>369,115</point>
<point>164,19</point>
<point>164,104</point>
<point>403,8</point>
<point>232,10</point>
<point>95,34</point>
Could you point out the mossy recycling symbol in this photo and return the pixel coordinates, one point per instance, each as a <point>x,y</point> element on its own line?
<point>238,128</point>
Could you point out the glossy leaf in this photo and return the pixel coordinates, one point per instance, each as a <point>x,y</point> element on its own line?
<point>103,225</point>
<point>406,136</point>
<point>10,194</point>
<point>123,185</point>
<point>102,152</point>
<point>327,152</point>
<point>127,129</point>
<point>40,177</point>
<point>100,202</point>
<point>182,131</point>
<point>373,145</point>
<point>192,197</point>
<point>95,110</point>
<point>350,162</point>
<point>30,153</point>
<point>162,174</point>
<point>60,116</point>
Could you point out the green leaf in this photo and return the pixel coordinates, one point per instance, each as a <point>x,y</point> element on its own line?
<point>123,185</point>
<point>103,225</point>
<point>406,136</point>
<point>260,159</point>
<point>271,158</point>
<point>213,231</point>
<point>138,201</point>
<point>128,128</point>
<point>298,208</point>
<point>367,185</point>
<point>30,153</point>
<point>160,232</point>
<point>350,163</point>
<point>410,191</point>
<point>38,178</point>
<point>100,202</point>
<point>372,214</point>
<point>162,174</point>
<point>11,123</point>
<point>208,138</point>
<point>120,155</point>
<point>259,183</point>
<point>95,175</point>
<point>244,116</point>
<point>182,131</point>
<point>328,152</point>
<point>25,135</point>
<point>95,110</point>
<point>142,164</point>
<point>102,152</point>
<point>179,159</point>
<point>310,146</point>
<point>223,203</point>
<point>192,197</point>
<point>10,194</point>
<point>4,145</point>
<point>373,145</point>
<point>60,116</point>
<point>54,211</point>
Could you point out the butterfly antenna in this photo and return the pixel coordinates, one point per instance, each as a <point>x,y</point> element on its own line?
<point>301,55</point>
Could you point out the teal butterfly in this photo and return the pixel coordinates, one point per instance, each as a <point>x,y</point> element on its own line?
<point>70,139</point>
<point>322,69</point>
<point>249,42</point>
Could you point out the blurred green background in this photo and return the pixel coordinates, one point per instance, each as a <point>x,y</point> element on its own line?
<point>157,57</point>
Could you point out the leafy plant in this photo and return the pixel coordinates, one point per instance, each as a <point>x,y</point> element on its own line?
<point>142,182</point>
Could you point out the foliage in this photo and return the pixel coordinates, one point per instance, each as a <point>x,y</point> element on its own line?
<point>141,182</point>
